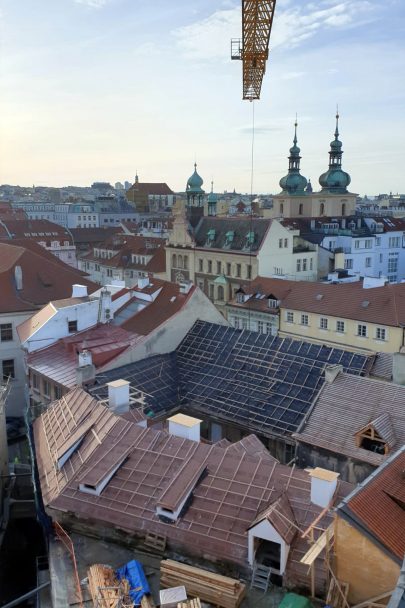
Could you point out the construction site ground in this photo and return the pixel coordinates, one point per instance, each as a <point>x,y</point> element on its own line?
<point>90,551</point>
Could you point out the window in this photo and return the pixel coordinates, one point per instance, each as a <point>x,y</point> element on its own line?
<point>290,317</point>
<point>304,320</point>
<point>280,243</point>
<point>35,381</point>
<point>285,242</point>
<point>228,268</point>
<point>57,391</point>
<point>340,327</point>
<point>200,265</point>
<point>344,209</point>
<point>311,263</point>
<point>211,292</point>
<point>369,243</point>
<point>8,369</point>
<point>236,323</point>
<point>392,278</point>
<point>381,258</point>
<point>349,263</point>
<point>185,262</point>
<point>109,272</point>
<point>392,265</point>
<point>6,332</point>
<point>248,271</point>
<point>394,241</point>
<point>220,293</point>
<point>301,209</point>
<point>218,267</point>
<point>322,209</point>
<point>46,388</point>
<point>368,262</point>
<point>281,208</point>
<point>72,326</point>
<point>298,265</point>
<point>304,264</point>
<point>238,270</point>
<point>278,271</point>
<point>244,323</point>
<point>381,333</point>
<point>210,266</point>
<point>357,244</point>
<point>378,241</point>
<point>362,331</point>
<point>323,323</point>
<point>174,260</point>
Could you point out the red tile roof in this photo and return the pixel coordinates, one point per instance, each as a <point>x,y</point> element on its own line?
<point>384,305</point>
<point>168,303</point>
<point>59,361</point>
<point>44,277</point>
<point>38,230</point>
<point>158,188</point>
<point>263,286</point>
<point>377,508</point>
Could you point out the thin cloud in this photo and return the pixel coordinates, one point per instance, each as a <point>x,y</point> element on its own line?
<point>92,3</point>
<point>209,38</point>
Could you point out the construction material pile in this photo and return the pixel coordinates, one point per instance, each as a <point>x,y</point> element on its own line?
<point>210,587</point>
<point>106,590</point>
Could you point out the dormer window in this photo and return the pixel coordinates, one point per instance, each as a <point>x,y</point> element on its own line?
<point>210,236</point>
<point>378,436</point>
<point>273,302</point>
<point>240,297</point>
<point>250,238</point>
<point>229,236</point>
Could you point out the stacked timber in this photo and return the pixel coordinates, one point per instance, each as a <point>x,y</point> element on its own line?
<point>213,588</point>
<point>106,590</point>
<point>195,603</point>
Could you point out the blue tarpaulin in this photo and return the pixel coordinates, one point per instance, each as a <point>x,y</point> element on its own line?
<point>135,575</point>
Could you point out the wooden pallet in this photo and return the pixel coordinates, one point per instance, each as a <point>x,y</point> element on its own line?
<point>337,597</point>
<point>210,587</point>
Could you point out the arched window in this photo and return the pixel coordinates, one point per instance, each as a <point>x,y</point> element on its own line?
<point>322,209</point>
<point>343,208</point>
<point>180,262</point>
<point>220,293</point>
<point>281,208</point>
<point>301,209</point>
<point>185,265</point>
<point>174,260</point>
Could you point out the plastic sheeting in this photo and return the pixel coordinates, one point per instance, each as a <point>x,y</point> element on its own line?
<point>133,572</point>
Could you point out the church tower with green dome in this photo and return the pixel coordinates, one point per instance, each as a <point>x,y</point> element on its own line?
<point>335,180</point>
<point>297,198</point>
<point>195,194</point>
<point>294,183</point>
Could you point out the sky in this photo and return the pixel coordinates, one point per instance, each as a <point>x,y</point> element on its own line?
<point>95,90</point>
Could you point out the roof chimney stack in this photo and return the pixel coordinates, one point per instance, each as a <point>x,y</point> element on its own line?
<point>323,486</point>
<point>79,291</point>
<point>86,370</point>
<point>118,396</point>
<point>143,282</point>
<point>18,278</point>
<point>184,426</point>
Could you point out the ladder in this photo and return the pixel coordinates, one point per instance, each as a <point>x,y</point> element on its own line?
<point>261,578</point>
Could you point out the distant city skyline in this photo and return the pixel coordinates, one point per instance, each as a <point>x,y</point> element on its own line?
<point>95,90</point>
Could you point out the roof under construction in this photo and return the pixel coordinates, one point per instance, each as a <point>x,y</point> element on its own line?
<point>258,381</point>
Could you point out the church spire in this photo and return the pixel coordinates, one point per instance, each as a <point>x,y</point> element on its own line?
<point>293,182</point>
<point>335,179</point>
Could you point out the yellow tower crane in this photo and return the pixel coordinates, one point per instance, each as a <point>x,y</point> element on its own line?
<point>253,49</point>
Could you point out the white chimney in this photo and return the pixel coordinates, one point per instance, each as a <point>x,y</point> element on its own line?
<point>85,358</point>
<point>144,282</point>
<point>331,372</point>
<point>18,277</point>
<point>118,396</point>
<point>79,291</point>
<point>184,426</point>
<point>323,486</point>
